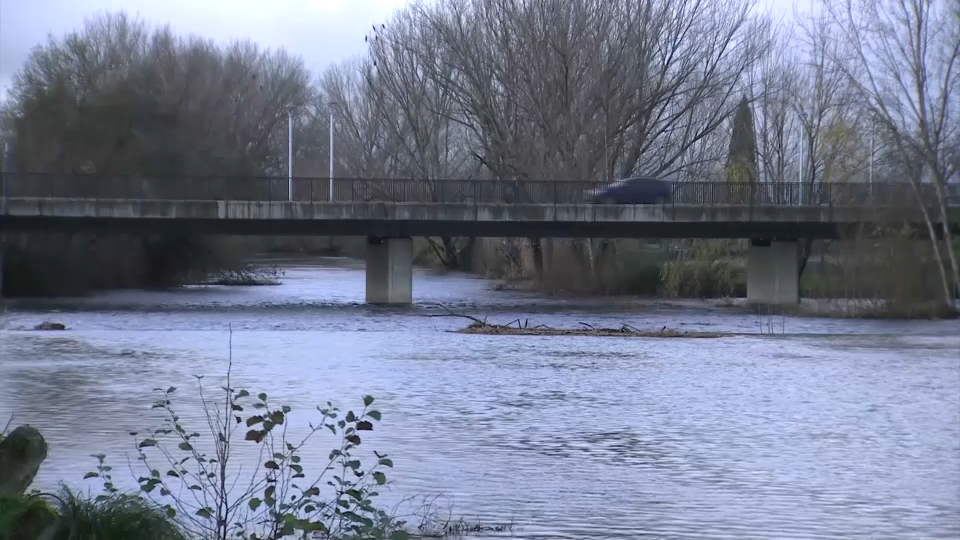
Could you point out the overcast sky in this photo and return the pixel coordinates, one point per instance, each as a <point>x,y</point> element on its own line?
<point>322,31</point>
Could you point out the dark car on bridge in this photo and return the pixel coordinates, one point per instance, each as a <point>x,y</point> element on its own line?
<point>637,190</point>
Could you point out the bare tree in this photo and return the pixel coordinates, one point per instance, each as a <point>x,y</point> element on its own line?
<point>366,148</point>
<point>416,104</point>
<point>902,57</point>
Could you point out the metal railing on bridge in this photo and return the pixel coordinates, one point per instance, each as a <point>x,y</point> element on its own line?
<point>364,190</point>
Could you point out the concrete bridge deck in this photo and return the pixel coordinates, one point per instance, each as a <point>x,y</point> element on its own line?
<point>443,219</point>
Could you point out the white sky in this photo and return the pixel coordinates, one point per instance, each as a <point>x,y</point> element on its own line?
<point>321,31</point>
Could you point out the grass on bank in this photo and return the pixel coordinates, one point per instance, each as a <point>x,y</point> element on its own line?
<point>69,515</point>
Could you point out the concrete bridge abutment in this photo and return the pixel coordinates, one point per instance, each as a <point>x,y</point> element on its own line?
<point>773,272</point>
<point>389,271</point>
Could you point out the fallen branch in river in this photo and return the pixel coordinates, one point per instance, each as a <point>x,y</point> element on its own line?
<point>517,327</point>
<point>542,330</point>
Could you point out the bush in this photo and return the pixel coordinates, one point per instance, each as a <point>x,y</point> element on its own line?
<point>279,499</point>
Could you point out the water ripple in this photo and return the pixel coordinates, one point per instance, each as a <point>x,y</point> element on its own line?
<point>842,429</point>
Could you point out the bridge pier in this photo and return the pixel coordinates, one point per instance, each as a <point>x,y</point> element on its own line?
<point>389,270</point>
<point>2,245</point>
<point>773,272</point>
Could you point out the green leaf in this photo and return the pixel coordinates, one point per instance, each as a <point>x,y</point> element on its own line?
<point>255,503</point>
<point>276,417</point>
<point>350,417</point>
<point>367,401</point>
<point>353,439</point>
<point>171,390</point>
<point>262,396</point>
<point>205,513</point>
<point>173,474</point>
<point>312,492</point>
<point>296,468</point>
<point>171,513</point>
<point>363,425</point>
<point>374,414</point>
<point>90,475</point>
<point>147,442</point>
<point>185,446</point>
<point>286,409</point>
<point>399,535</point>
<point>254,420</point>
<point>271,465</point>
<point>254,435</point>
<point>386,462</point>
<point>380,478</point>
<point>242,394</point>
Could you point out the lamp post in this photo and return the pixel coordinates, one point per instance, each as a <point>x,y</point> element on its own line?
<point>332,105</point>
<point>873,140</point>
<point>290,153</point>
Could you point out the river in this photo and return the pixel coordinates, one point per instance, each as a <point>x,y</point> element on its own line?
<point>836,429</point>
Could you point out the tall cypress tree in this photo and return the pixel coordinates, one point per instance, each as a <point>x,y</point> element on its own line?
<point>742,155</point>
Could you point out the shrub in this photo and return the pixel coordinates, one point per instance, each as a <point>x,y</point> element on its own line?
<point>208,496</point>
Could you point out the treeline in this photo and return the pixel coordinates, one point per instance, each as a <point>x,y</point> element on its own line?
<point>688,90</point>
<point>118,97</point>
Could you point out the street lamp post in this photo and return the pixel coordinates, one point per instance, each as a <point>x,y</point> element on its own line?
<point>290,154</point>
<point>873,141</point>
<point>332,105</point>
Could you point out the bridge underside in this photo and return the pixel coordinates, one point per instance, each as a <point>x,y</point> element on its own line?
<point>773,272</point>
<point>427,228</point>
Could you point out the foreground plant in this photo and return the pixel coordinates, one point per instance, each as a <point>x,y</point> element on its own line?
<point>213,497</point>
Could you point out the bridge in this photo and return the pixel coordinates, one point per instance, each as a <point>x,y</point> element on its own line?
<point>390,212</point>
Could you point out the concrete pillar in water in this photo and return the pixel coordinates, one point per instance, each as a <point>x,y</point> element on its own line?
<point>389,270</point>
<point>773,272</point>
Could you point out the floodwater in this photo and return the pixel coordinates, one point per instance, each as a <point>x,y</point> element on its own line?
<point>835,429</point>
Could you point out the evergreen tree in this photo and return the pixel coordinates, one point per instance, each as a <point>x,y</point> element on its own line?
<point>742,155</point>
